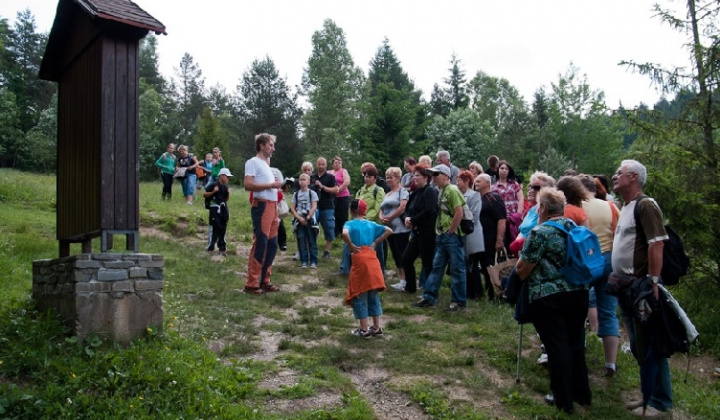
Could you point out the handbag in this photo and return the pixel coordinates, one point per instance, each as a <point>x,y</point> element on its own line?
<point>283,209</point>
<point>517,293</point>
<point>180,172</point>
<point>499,270</point>
<point>618,284</point>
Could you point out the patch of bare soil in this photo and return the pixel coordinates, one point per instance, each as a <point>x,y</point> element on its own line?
<point>387,404</point>
<point>154,232</point>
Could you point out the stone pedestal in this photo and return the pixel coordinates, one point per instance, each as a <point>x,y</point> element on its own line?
<point>113,296</point>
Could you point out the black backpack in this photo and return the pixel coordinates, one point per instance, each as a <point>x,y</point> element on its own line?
<point>675,261</point>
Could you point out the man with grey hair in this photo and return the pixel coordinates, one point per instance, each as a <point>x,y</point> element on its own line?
<point>638,252</point>
<point>443,158</point>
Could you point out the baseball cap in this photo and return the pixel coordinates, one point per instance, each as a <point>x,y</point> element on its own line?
<point>225,171</point>
<point>439,169</point>
<point>362,208</point>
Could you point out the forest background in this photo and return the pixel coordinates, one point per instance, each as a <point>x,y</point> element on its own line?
<point>382,117</point>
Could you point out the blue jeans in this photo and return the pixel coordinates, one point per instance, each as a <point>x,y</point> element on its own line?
<point>367,304</point>
<point>608,323</point>
<point>640,337</point>
<point>188,184</point>
<point>306,235</point>
<point>326,218</point>
<point>448,249</point>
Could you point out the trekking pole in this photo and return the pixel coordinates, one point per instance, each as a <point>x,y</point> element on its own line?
<point>519,355</point>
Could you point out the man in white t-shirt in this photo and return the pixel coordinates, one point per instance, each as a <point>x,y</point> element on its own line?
<point>261,181</point>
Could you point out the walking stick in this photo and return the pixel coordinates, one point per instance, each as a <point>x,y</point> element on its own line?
<point>519,355</point>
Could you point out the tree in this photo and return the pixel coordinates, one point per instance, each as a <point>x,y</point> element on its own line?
<point>332,84</point>
<point>39,150</point>
<point>10,132</point>
<point>26,47</point>
<point>454,95</point>
<point>494,99</point>
<point>463,133</point>
<point>388,111</point>
<point>208,134</point>
<point>267,104</point>
<point>149,65</point>
<point>678,142</point>
<point>582,130</point>
<point>190,91</point>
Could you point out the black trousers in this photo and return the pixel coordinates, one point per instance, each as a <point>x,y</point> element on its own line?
<point>473,279</point>
<point>422,244</point>
<point>342,207</point>
<point>282,235</point>
<point>560,320</point>
<point>219,227</point>
<point>167,180</point>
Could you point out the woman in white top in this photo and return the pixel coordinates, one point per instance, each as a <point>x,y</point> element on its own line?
<point>392,210</point>
<point>474,242</point>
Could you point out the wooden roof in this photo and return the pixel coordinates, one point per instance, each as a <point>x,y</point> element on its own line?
<point>123,11</point>
<point>117,16</point>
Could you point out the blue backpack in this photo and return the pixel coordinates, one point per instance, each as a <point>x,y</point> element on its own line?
<point>584,262</point>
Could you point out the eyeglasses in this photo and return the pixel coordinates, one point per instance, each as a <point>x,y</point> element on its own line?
<point>436,174</point>
<point>535,187</point>
<point>620,173</point>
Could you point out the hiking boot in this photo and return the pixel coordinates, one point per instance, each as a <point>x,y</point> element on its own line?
<point>423,303</point>
<point>283,247</point>
<point>376,332</point>
<point>326,255</point>
<point>454,307</point>
<point>399,286</point>
<point>253,290</point>
<point>610,372</point>
<point>223,253</point>
<point>269,287</point>
<point>360,333</point>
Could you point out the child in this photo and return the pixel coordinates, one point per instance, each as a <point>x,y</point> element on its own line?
<point>304,204</point>
<point>219,194</point>
<point>207,166</point>
<point>366,279</point>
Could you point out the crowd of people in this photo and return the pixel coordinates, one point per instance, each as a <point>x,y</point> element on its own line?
<point>418,214</point>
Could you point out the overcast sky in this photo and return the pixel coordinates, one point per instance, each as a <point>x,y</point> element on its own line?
<point>528,42</point>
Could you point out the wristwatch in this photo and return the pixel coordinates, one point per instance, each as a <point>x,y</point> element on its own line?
<point>654,279</point>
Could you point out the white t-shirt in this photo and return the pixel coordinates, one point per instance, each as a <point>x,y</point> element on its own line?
<point>261,173</point>
<point>303,201</point>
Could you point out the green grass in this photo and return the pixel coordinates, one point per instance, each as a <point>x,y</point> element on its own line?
<point>219,349</point>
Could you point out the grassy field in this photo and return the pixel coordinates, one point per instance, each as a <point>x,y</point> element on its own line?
<point>224,354</point>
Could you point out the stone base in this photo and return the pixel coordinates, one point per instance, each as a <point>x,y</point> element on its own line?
<point>113,296</point>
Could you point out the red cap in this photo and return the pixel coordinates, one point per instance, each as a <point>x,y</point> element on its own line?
<point>362,208</point>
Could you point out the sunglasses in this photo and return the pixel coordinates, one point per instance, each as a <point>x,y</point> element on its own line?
<point>535,187</point>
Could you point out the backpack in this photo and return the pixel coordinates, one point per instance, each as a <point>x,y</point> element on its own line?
<point>584,262</point>
<point>675,261</point>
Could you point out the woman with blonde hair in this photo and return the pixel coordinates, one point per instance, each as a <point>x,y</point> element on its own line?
<point>392,209</point>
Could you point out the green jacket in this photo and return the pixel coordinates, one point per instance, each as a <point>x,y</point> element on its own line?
<point>166,163</point>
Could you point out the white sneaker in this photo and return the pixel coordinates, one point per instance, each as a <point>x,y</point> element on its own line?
<point>296,256</point>
<point>543,359</point>
<point>400,286</point>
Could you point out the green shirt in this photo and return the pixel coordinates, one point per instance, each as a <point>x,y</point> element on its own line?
<point>216,168</point>
<point>545,247</point>
<point>373,197</point>
<point>450,198</point>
